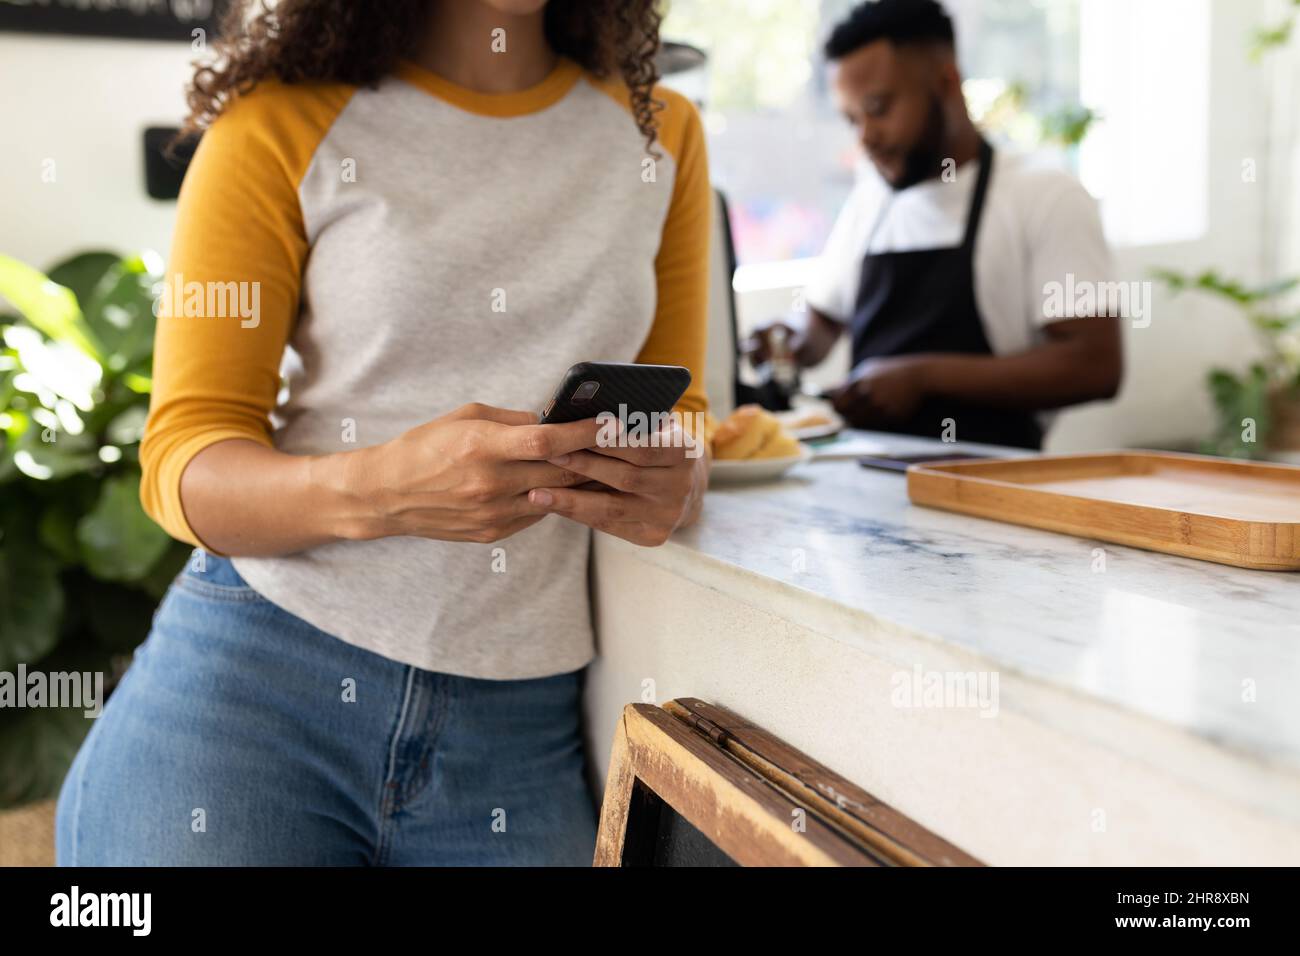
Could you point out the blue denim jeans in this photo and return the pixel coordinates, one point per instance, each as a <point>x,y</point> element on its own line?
<point>242,735</point>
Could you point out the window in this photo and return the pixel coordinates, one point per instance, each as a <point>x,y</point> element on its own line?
<point>779,149</point>
<point>1144,67</point>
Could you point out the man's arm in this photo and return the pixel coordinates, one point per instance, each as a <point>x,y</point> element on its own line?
<point>1080,357</point>
<point>817,338</point>
<point>1081,361</point>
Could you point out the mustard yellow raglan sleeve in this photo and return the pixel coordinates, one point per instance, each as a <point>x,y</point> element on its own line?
<point>679,335</point>
<point>231,291</point>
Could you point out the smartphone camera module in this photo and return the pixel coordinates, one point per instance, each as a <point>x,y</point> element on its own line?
<point>585,392</point>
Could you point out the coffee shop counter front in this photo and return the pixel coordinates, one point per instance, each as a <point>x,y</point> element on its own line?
<point>1033,697</point>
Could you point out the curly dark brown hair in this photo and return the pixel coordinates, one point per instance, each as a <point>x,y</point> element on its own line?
<point>359,42</point>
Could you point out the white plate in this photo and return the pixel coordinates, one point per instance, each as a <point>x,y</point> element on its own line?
<point>738,470</point>
<point>812,432</point>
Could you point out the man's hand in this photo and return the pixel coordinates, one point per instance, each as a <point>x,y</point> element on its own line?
<point>881,391</point>
<point>653,491</point>
<point>1081,360</point>
<point>768,340</point>
<point>810,337</point>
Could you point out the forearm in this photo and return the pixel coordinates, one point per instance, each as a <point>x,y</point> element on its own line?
<point>244,499</point>
<point>1052,375</point>
<point>816,339</point>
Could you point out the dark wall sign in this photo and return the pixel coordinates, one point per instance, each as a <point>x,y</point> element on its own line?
<point>137,19</point>
<point>164,171</point>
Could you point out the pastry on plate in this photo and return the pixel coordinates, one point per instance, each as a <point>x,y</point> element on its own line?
<point>811,420</point>
<point>752,432</point>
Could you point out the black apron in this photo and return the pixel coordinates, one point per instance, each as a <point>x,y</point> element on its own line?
<point>924,301</point>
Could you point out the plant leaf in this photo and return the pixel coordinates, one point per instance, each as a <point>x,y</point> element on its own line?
<point>161,575</point>
<point>118,617</point>
<point>1237,398</point>
<point>58,531</point>
<point>49,307</point>
<point>120,312</point>
<point>119,542</point>
<point>31,597</point>
<point>37,745</point>
<point>51,460</point>
<point>83,272</point>
<point>127,427</point>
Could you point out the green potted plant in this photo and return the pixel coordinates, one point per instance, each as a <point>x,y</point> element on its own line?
<point>1267,394</point>
<point>1266,39</point>
<point>82,568</point>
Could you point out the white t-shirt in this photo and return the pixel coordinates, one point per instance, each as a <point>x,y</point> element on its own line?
<point>1038,226</point>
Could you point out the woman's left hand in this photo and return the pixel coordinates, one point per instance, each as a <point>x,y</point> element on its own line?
<point>651,491</point>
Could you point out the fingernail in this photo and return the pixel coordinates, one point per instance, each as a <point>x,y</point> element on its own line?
<point>542,497</point>
<point>560,460</point>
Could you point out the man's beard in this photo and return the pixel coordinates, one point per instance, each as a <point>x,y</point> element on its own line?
<point>925,159</point>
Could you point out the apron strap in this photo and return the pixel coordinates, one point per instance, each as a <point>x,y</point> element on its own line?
<point>973,213</point>
<point>977,199</point>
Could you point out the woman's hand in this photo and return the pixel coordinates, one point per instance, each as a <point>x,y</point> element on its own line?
<point>465,476</point>
<point>652,491</point>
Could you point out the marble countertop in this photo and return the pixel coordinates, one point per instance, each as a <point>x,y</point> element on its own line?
<point>1200,649</point>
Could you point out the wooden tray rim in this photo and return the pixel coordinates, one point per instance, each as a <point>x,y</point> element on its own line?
<point>960,470</point>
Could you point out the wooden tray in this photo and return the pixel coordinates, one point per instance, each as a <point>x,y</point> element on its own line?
<point>1234,512</point>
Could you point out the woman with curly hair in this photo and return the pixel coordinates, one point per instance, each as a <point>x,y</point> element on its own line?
<point>398,231</point>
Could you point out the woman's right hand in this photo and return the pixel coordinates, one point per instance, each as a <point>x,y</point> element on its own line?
<point>464,476</point>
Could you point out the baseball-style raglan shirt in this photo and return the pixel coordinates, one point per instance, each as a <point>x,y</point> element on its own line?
<point>410,248</point>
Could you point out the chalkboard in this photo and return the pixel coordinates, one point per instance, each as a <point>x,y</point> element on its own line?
<point>657,835</point>
<point>138,19</point>
<point>163,173</point>
<point>694,784</point>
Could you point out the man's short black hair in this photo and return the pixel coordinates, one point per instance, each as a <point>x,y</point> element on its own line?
<point>899,21</point>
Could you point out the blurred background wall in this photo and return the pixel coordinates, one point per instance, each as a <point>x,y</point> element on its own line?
<point>83,103</point>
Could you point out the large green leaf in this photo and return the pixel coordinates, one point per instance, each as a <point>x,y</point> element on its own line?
<point>37,745</point>
<point>1236,399</point>
<point>49,307</point>
<point>31,597</point>
<point>120,312</point>
<point>161,575</point>
<point>13,423</point>
<point>83,272</point>
<point>119,542</point>
<point>117,616</point>
<point>1210,281</point>
<point>51,460</point>
<point>58,530</point>
<point>57,369</point>
<point>127,426</point>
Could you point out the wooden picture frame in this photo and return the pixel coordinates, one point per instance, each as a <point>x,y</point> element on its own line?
<point>757,801</point>
<point>116,19</point>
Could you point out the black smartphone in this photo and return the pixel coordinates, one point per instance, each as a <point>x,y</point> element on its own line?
<point>901,462</point>
<point>590,388</point>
